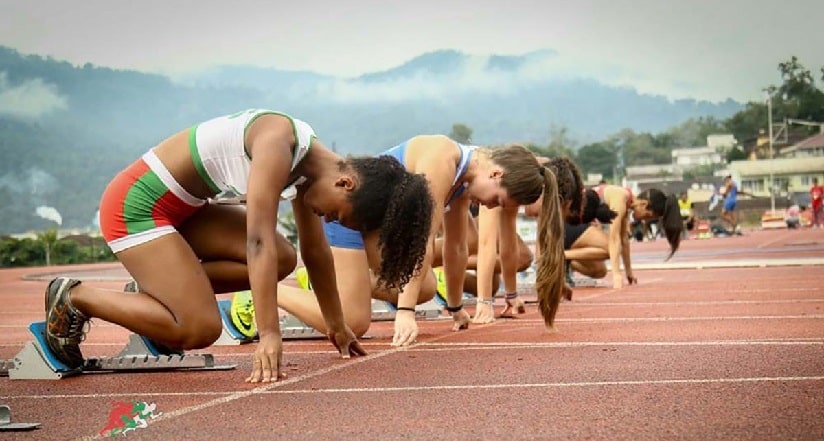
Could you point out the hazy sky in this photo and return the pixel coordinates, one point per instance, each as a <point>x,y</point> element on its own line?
<point>707,49</point>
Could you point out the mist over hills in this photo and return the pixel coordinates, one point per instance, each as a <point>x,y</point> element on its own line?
<point>65,130</point>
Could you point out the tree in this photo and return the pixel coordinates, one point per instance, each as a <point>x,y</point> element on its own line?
<point>559,143</point>
<point>597,158</point>
<point>801,98</point>
<point>461,133</point>
<point>47,239</point>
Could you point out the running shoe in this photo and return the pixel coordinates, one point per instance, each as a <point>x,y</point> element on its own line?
<point>242,313</point>
<point>162,349</point>
<point>66,326</point>
<point>440,289</point>
<point>302,275</point>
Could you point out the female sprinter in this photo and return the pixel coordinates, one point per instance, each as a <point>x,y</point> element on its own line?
<point>181,250</point>
<point>498,224</point>
<point>458,175</point>
<point>651,204</point>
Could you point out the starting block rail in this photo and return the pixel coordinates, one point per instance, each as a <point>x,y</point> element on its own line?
<point>36,362</point>
<point>385,311</point>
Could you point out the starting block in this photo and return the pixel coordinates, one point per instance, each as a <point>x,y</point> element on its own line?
<point>384,311</point>
<point>7,426</point>
<point>36,362</point>
<point>290,328</point>
<point>584,282</point>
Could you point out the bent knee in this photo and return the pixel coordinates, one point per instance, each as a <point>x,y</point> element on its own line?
<point>287,262</point>
<point>198,335</point>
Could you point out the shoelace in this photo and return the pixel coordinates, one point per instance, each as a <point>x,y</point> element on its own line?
<point>78,329</point>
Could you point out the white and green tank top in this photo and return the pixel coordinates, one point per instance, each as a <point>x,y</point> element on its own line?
<point>219,152</point>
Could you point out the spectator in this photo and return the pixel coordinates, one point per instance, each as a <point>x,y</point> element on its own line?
<point>816,195</point>
<point>793,217</point>
<point>687,208</point>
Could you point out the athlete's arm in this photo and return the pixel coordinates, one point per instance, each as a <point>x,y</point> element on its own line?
<point>271,152</point>
<point>488,225</point>
<point>510,248</point>
<point>317,256</point>
<point>455,253</point>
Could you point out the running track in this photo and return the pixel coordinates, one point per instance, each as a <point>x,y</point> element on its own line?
<point>725,341</point>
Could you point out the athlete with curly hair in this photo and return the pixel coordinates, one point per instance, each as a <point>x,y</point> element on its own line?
<point>181,249</point>
<point>458,175</point>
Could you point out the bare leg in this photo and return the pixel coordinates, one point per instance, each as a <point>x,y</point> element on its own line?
<point>181,310</point>
<point>589,253</point>
<point>177,306</point>
<point>354,286</point>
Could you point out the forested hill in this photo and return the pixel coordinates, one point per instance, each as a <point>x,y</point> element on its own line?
<point>65,130</point>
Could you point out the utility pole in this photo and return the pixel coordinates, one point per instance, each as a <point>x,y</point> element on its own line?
<point>770,134</point>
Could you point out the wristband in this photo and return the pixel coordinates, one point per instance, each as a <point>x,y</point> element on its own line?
<point>454,309</point>
<point>490,302</point>
<point>405,308</point>
<point>511,296</point>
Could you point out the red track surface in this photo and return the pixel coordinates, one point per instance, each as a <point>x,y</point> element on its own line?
<point>716,353</point>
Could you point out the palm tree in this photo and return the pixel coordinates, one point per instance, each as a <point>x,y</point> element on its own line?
<point>48,238</point>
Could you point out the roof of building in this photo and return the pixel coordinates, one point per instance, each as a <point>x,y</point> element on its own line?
<point>812,142</point>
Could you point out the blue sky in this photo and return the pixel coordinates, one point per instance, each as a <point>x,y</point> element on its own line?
<point>678,48</point>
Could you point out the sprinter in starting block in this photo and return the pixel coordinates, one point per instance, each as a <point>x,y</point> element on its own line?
<point>36,361</point>
<point>160,219</point>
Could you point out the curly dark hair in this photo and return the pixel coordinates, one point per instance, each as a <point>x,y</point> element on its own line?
<point>398,203</point>
<point>595,208</point>
<point>570,186</point>
<point>666,207</point>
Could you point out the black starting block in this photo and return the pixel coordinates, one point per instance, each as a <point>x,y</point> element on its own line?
<point>7,426</point>
<point>36,362</point>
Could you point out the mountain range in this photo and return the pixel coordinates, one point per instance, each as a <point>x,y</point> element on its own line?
<point>66,129</point>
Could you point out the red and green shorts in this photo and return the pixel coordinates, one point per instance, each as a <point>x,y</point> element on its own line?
<point>144,202</point>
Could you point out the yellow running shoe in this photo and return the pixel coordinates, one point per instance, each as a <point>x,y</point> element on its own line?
<point>242,312</point>
<point>303,278</point>
<point>440,289</point>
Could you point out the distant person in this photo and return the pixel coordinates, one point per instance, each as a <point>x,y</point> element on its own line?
<point>729,211</point>
<point>687,209</point>
<point>792,216</point>
<point>816,196</point>
<point>181,249</point>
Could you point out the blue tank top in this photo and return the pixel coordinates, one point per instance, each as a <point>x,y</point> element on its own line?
<point>399,152</point>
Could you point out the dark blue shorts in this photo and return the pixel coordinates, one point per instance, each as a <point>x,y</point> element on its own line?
<point>339,236</point>
<point>729,205</point>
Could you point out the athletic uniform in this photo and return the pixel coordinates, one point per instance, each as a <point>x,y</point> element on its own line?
<point>339,236</point>
<point>572,233</point>
<point>144,201</point>
<point>731,198</point>
<point>600,190</point>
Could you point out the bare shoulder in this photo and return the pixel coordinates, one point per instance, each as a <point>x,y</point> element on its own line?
<point>431,152</point>
<point>270,128</point>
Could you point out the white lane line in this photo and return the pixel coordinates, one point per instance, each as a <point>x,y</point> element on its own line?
<point>521,321</point>
<point>233,395</point>
<point>701,303</point>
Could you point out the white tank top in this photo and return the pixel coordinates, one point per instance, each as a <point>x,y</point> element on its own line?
<point>219,152</point>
